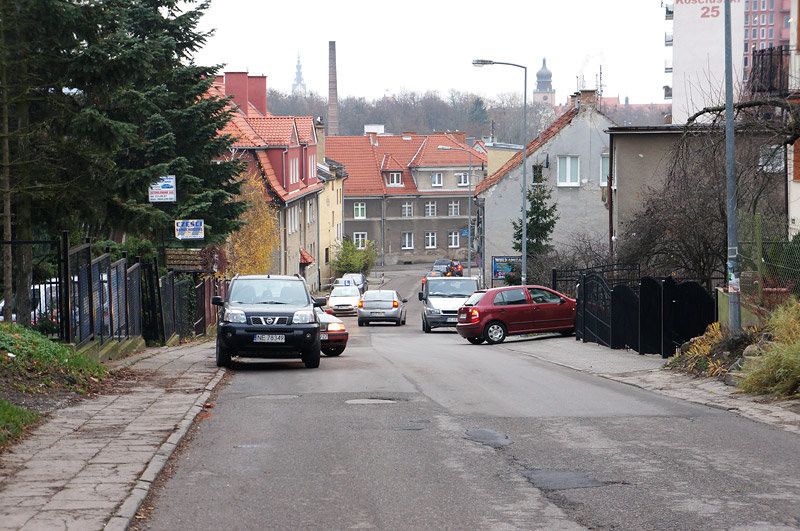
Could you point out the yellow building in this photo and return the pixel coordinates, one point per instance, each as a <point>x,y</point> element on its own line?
<point>331,205</point>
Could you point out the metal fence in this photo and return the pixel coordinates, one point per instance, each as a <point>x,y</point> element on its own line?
<point>566,280</point>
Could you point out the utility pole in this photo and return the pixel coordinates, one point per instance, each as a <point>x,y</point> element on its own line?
<point>734,309</point>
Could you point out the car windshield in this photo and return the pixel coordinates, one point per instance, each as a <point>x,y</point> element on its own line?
<point>268,291</point>
<point>475,298</point>
<point>379,295</point>
<point>451,287</point>
<point>345,291</point>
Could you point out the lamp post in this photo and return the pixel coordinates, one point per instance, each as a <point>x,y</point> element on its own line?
<point>485,62</point>
<point>469,205</point>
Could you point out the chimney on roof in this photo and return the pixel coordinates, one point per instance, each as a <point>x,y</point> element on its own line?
<point>219,80</point>
<point>333,98</point>
<point>460,137</point>
<point>588,97</point>
<point>257,92</point>
<point>236,85</point>
<point>573,100</point>
<point>409,133</point>
<point>319,127</point>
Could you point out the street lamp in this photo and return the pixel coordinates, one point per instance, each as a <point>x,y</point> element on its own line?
<point>485,62</point>
<point>469,205</point>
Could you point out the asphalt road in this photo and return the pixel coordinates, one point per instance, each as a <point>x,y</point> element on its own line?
<point>407,430</point>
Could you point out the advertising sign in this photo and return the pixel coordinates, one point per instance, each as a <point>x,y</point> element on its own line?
<point>189,229</point>
<point>501,265</point>
<point>163,191</point>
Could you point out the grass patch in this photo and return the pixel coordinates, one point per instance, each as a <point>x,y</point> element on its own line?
<point>36,375</point>
<point>777,370</point>
<point>13,421</point>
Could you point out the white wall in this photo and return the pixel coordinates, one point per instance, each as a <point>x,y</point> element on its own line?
<point>698,60</point>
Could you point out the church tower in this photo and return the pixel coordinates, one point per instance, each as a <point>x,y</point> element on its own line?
<point>544,92</point>
<point>299,86</point>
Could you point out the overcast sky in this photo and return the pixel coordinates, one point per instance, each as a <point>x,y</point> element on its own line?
<point>388,47</point>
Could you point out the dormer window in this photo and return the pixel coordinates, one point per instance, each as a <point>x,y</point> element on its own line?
<point>395,179</point>
<point>463,179</point>
<point>436,179</point>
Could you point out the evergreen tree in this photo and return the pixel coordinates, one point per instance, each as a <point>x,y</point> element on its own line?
<point>542,215</point>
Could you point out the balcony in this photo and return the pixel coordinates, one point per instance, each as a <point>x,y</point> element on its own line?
<point>667,67</point>
<point>670,11</point>
<point>769,73</point>
<point>668,39</point>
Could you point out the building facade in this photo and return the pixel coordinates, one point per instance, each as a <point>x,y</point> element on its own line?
<point>407,196</point>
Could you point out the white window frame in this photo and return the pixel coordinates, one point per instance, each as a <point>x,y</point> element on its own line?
<point>568,161</point>
<point>360,206</point>
<point>763,33</point>
<point>436,179</point>
<point>395,179</point>
<point>453,208</point>
<point>453,239</point>
<point>407,209</point>
<point>407,240</point>
<point>463,178</point>
<point>360,240</point>
<point>430,209</point>
<point>309,211</point>
<point>604,172</point>
<point>430,240</point>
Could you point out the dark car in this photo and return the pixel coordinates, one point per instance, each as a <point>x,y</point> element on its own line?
<point>333,335</point>
<point>493,314</point>
<point>442,265</point>
<point>268,316</point>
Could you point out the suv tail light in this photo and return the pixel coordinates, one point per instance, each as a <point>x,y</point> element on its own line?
<point>474,315</point>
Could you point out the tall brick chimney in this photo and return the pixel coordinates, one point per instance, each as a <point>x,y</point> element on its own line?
<point>236,84</point>
<point>257,92</point>
<point>588,97</point>
<point>333,98</point>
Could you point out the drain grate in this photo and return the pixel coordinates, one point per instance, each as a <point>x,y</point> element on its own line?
<point>547,479</point>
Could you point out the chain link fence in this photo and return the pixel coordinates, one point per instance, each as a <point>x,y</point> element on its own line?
<point>769,262</point>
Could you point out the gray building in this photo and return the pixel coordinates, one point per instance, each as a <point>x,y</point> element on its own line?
<point>572,159</point>
<point>407,196</point>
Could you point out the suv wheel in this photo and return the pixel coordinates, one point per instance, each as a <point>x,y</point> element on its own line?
<point>223,356</point>
<point>495,332</point>
<point>425,326</point>
<point>310,356</point>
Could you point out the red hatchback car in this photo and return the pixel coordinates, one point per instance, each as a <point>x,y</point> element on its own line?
<point>492,314</point>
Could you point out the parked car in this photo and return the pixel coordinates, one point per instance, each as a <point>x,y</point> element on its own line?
<point>383,305</point>
<point>332,333</point>
<point>343,300</point>
<point>442,297</point>
<point>268,316</point>
<point>493,314</point>
<point>358,279</point>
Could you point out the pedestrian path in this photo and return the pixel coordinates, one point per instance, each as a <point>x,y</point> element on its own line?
<point>90,465</point>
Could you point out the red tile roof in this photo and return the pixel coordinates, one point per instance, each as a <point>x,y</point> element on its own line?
<point>305,257</point>
<point>275,130</point>
<point>563,121</point>
<point>365,157</point>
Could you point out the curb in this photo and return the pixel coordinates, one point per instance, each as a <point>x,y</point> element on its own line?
<point>127,511</point>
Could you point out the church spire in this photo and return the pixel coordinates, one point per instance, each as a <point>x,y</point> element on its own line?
<point>299,85</point>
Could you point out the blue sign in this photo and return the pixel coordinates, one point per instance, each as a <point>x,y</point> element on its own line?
<point>501,265</point>
<point>189,229</point>
<point>465,233</point>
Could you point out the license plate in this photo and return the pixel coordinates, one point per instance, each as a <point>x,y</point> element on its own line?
<point>269,338</point>
<point>323,336</point>
<point>463,316</point>
<point>377,313</point>
<point>452,319</point>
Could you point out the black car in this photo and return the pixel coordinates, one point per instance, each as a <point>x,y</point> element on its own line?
<point>268,316</point>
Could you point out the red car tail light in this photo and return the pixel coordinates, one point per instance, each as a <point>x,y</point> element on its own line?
<point>394,304</point>
<point>474,315</point>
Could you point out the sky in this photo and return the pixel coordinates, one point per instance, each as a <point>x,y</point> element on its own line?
<point>385,48</point>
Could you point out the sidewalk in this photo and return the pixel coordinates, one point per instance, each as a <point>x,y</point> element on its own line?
<point>91,465</point>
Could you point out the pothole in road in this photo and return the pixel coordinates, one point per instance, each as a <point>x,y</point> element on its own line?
<point>371,401</point>
<point>492,438</point>
<point>549,479</point>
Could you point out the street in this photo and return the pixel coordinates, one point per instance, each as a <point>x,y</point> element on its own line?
<point>407,430</point>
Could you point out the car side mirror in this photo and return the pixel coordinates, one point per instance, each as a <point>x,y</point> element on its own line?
<point>216,300</point>
<point>320,301</point>
<point>562,300</point>
<point>405,301</point>
<point>420,296</point>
